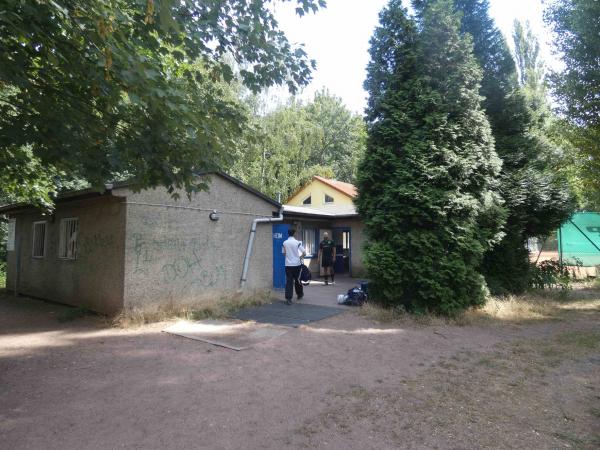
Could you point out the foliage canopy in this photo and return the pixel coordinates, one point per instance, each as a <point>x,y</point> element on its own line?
<point>536,195</point>
<point>107,87</point>
<point>576,25</point>
<point>289,145</point>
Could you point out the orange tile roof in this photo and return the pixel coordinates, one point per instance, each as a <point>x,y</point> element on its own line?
<point>345,188</point>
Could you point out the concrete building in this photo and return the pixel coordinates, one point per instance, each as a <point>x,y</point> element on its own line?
<point>320,206</point>
<point>124,249</point>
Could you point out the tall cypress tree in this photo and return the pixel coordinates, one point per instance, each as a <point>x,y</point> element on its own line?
<point>427,182</point>
<point>535,195</point>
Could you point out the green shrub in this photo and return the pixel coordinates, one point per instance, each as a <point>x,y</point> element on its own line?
<point>2,275</point>
<point>550,275</point>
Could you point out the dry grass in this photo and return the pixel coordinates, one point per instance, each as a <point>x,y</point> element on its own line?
<point>211,308</point>
<point>533,306</point>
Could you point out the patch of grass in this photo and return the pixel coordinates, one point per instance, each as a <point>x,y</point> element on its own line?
<point>211,308</point>
<point>515,309</point>
<point>381,314</point>
<point>579,339</point>
<point>398,314</point>
<point>70,314</point>
<point>533,306</point>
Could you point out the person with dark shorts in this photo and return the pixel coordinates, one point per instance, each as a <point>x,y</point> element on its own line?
<point>327,258</point>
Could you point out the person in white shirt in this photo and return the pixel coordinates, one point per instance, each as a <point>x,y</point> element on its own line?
<point>293,251</point>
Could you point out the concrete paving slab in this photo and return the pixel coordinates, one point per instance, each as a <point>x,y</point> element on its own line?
<point>226,333</point>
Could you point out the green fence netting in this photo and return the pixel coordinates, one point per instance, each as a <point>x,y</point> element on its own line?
<point>579,239</point>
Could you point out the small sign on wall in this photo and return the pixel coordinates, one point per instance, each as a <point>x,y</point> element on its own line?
<point>10,238</point>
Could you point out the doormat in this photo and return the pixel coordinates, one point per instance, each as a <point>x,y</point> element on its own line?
<point>280,313</point>
<point>226,333</point>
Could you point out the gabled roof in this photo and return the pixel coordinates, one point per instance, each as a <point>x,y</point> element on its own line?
<point>345,188</point>
<point>90,192</point>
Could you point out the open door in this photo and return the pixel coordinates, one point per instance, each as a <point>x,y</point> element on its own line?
<point>341,238</point>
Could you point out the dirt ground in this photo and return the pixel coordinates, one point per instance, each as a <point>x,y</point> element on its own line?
<point>347,382</point>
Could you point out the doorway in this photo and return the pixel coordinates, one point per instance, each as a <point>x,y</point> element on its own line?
<point>342,237</point>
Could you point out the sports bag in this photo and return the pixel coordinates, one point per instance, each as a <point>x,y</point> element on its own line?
<point>305,275</point>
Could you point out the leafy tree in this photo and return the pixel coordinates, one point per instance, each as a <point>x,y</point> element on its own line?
<point>427,184</point>
<point>527,53</point>
<point>343,135</point>
<point>532,71</point>
<point>286,147</point>
<point>91,89</point>
<point>576,26</point>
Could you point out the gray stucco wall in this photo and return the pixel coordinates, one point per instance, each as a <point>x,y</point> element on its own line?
<point>175,253</point>
<point>95,278</point>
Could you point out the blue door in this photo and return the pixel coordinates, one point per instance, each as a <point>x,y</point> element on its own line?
<point>280,234</point>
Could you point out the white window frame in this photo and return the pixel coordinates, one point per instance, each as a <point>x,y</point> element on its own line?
<point>44,239</point>
<point>11,233</point>
<point>69,252</point>
<point>325,202</point>
<point>306,198</point>
<point>310,244</point>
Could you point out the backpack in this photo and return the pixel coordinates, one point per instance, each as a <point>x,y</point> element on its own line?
<point>355,297</point>
<point>305,275</point>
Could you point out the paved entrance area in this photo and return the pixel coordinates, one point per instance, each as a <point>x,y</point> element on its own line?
<point>316,293</point>
<point>319,302</point>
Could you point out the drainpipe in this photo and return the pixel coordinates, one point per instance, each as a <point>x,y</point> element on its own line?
<point>255,222</point>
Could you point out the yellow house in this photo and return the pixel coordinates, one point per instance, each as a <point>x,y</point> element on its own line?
<point>324,205</point>
<point>325,194</point>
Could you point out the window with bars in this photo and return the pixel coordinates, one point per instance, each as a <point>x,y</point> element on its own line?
<point>39,239</point>
<point>67,242</point>
<point>309,241</point>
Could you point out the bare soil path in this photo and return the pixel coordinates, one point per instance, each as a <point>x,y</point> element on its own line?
<point>346,382</point>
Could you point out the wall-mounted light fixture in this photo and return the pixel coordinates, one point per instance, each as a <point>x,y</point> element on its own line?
<point>214,215</point>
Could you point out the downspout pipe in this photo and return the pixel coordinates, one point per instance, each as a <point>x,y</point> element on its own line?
<point>250,247</point>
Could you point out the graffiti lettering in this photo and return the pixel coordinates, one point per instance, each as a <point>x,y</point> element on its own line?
<point>97,241</point>
<point>191,266</point>
<point>175,259</point>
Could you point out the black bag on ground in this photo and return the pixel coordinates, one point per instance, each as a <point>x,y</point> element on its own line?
<point>305,275</point>
<point>355,297</point>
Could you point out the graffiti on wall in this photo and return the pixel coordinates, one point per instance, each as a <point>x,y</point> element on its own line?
<point>95,242</point>
<point>177,260</point>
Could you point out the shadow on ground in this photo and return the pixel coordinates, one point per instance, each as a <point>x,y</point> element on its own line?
<point>344,382</point>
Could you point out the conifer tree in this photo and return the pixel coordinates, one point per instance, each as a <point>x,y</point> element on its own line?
<point>427,184</point>
<point>535,194</point>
